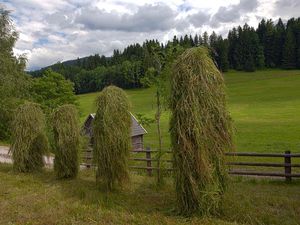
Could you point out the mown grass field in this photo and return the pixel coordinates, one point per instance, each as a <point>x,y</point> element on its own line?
<point>41,199</point>
<point>264,105</point>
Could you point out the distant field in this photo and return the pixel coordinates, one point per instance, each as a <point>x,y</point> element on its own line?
<point>264,105</point>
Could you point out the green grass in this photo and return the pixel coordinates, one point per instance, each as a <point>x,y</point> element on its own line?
<point>4,143</point>
<point>264,105</point>
<point>41,199</point>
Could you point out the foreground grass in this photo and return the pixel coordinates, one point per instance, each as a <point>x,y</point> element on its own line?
<point>41,199</point>
<point>264,105</point>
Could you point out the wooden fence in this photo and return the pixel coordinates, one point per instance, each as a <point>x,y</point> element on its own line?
<point>151,159</point>
<point>286,164</point>
<point>149,167</point>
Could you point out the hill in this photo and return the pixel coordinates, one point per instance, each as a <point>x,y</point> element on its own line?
<point>264,105</point>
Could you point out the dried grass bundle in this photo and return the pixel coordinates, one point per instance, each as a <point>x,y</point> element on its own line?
<point>29,140</point>
<point>201,131</point>
<point>66,133</point>
<point>112,137</point>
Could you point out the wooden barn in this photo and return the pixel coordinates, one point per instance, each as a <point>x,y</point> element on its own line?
<point>137,134</point>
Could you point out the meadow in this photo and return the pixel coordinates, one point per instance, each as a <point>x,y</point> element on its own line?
<point>265,108</point>
<point>40,198</point>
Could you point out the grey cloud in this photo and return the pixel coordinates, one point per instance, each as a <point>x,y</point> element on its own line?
<point>233,13</point>
<point>287,8</point>
<point>198,19</point>
<point>147,18</point>
<point>60,19</point>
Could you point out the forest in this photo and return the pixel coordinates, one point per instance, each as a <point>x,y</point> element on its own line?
<point>271,45</point>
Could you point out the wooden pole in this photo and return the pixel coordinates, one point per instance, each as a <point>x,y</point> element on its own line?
<point>287,167</point>
<point>148,157</point>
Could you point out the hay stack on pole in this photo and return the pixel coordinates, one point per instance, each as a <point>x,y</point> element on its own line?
<point>200,131</point>
<point>29,140</point>
<point>112,140</point>
<point>66,133</point>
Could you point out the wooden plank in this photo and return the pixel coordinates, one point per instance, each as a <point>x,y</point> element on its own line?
<point>261,164</point>
<point>141,151</point>
<point>147,168</point>
<point>255,154</point>
<point>153,160</point>
<point>148,158</point>
<point>256,173</point>
<point>265,174</point>
<point>287,168</point>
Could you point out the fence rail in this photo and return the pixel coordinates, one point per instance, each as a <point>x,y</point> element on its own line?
<point>286,164</point>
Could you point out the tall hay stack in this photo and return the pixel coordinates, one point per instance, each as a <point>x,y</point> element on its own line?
<point>29,140</point>
<point>112,142</point>
<point>201,131</point>
<point>66,133</point>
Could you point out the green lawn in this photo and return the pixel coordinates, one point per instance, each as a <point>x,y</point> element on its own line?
<point>264,105</point>
<point>41,199</point>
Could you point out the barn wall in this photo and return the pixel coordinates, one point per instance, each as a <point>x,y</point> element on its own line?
<point>137,142</point>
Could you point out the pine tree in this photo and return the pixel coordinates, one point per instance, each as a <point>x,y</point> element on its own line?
<point>221,48</point>
<point>213,39</point>
<point>269,44</point>
<point>289,60</point>
<point>232,44</point>
<point>196,40</point>
<point>279,42</point>
<point>205,38</point>
<point>297,34</point>
<point>175,40</point>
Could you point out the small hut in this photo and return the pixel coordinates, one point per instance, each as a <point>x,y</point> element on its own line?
<point>137,134</point>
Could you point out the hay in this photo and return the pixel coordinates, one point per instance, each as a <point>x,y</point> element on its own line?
<point>66,141</point>
<point>29,141</point>
<point>201,131</point>
<point>112,141</point>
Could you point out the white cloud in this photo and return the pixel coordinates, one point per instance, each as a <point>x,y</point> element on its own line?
<point>57,30</point>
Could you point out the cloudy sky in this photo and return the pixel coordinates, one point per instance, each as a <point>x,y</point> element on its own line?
<point>58,30</point>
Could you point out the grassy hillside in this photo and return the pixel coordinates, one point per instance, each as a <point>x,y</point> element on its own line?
<point>264,105</point>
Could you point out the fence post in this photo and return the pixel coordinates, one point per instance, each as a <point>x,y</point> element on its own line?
<point>287,166</point>
<point>148,157</point>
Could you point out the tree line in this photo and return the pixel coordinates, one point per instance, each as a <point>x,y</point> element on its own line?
<point>271,45</point>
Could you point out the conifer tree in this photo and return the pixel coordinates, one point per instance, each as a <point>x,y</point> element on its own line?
<point>289,60</point>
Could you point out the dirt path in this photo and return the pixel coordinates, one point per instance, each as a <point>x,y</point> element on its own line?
<point>5,157</point>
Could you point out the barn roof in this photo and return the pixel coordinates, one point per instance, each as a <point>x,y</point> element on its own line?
<point>136,128</point>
